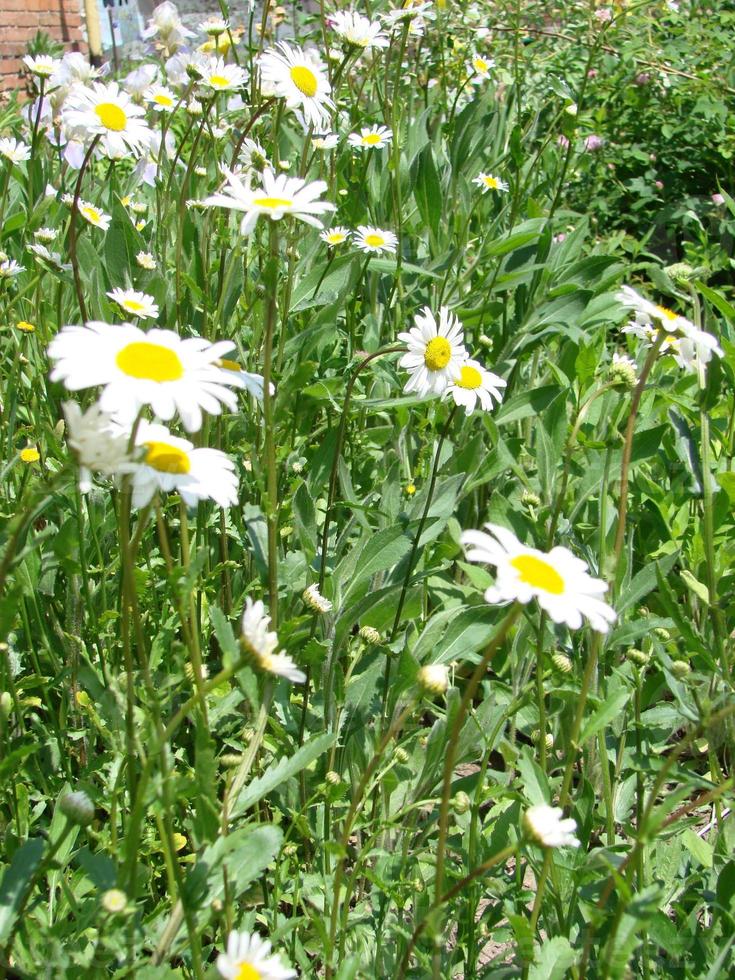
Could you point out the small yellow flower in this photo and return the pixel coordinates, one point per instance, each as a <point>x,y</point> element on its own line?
<point>411,489</point>
<point>30,455</point>
<point>25,326</point>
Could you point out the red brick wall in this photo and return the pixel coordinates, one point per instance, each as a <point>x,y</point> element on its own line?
<point>19,21</point>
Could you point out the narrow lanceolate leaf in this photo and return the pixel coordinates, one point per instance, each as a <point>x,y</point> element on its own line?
<point>16,879</point>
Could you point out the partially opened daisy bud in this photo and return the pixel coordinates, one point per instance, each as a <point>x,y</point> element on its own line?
<point>315,600</point>
<point>623,371</point>
<point>370,635</point>
<point>249,957</point>
<point>559,581</point>
<point>546,826</point>
<point>562,663</point>
<point>433,678</point>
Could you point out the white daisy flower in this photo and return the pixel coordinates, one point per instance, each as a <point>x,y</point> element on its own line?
<point>436,352</point>
<point>221,77</point>
<point>214,26</point>
<point>146,261</point>
<point>358,30</point>
<point>14,150</point>
<point>252,383</point>
<point>279,195</point>
<point>480,68</point>
<point>253,156</point>
<point>9,269</point>
<point>660,315</point>
<point>371,239</point>
<point>475,384</point>
<point>157,368</point>
<point>138,81</point>
<point>489,183</point>
<point>170,463</point>
<point>433,678</point>
<point>410,9</point>
<point>139,304</point>
<point>99,442</point>
<point>696,347</point>
<point>558,580</point>
<point>371,138</point>
<point>249,957</point>
<point>325,141</point>
<point>315,600</point>
<point>94,215</point>
<point>300,78</point>
<point>46,234</point>
<point>108,112</point>
<point>262,643</point>
<point>43,65</point>
<point>545,826</point>
<point>337,235</point>
<point>161,98</point>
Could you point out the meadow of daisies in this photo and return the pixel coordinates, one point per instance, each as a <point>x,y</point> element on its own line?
<point>366,589</point>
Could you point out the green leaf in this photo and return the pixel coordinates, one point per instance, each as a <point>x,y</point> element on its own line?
<point>244,854</point>
<point>535,784</point>
<point>278,772</point>
<point>427,190</point>
<point>15,881</point>
<point>609,709</point>
<point>553,960</point>
<point>700,850</point>
<point>644,582</point>
<point>727,482</point>
<point>527,403</point>
<point>379,552</point>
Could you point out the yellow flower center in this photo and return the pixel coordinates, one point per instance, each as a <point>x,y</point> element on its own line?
<point>374,241</point>
<point>91,214</point>
<point>336,238</point>
<point>372,139</point>
<point>228,365</point>
<point>218,81</point>
<point>538,573</point>
<point>491,182</point>
<point>246,971</point>
<point>162,99</point>
<point>273,202</point>
<point>305,80</point>
<point>149,362</point>
<point>133,306</point>
<point>667,314</point>
<point>111,116</point>
<point>166,459</point>
<point>30,455</point>
<point>469,378</point>
<point>480,65</point>
<point>437,354</point>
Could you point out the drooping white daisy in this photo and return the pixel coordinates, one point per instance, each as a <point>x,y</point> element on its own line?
<point>545,825</point>
<point>139,304</point>
<point>108,112</point>
<point>371,138</point>
<point>489,183</point>
<point>161,98</point>
<point>53,259</point>
<point>262,643</point>
<point>94,215</point>
<point>146,261</point>
<point>9,269</point>
<point>377,240</point>
<point>43,65</point>
<point>99,442</point>
<point>336,235</point>
<point>249,957</point>
<point>325,141</point>
<point>696,347</point>
<point>436,352</point>
<point>222,77</point>
<point>136,368</point>
<point>315,600</point>
<point>480,68</point>
<point>475,384</point>
<point>358,30</point>
<point>558,580</point>
<point>279,195</point>
<point>253,156</point>
<point>300,77</point>
<point>169,463</point>
<point>662,316</point>
<point>166,28</point>
<point>14,150</point>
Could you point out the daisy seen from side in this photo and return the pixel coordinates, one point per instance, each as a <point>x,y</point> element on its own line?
<point>99,443</point>
<point>94,215</point>
<point>559,581</point>
<point>14,150</point>
<point>135,368</point>
<point>262,643</point>
<point>139,304</point>
<point>358,30</point>
<point>436,352</point>
<point>547,826</point>
<point>222,77</point>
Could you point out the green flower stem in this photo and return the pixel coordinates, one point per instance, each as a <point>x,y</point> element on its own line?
<point>243,770</point>
<point>126,601</point>
<point>183,190</point>
<point>628,448</point>
<point>452,743</point>
<point>355,808</point>
<point>271,502</point>
<point>194,648</point>
<point>72,232</point>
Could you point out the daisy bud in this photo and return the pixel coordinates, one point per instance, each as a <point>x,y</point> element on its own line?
<point>369,635</point>
<point>230,760</point>
<point>433,678</point>
<point>623,372</point>
<point>315,600</point>
<point>401,756</point>
<point>333,778</point>
<point>662,634</point>
<point>6,704</point>
<point>545,826</point>
<point>461,803</point>
<point>638,657</point>
<point>562,663</point>
<point>290,850</point>
<point>530,499</point>
<point>114,901</point>
<point>418,885</point>
<point>77,808</point>
<point>680,669</point>
<point>548,739</point>
<point>681,272</point>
